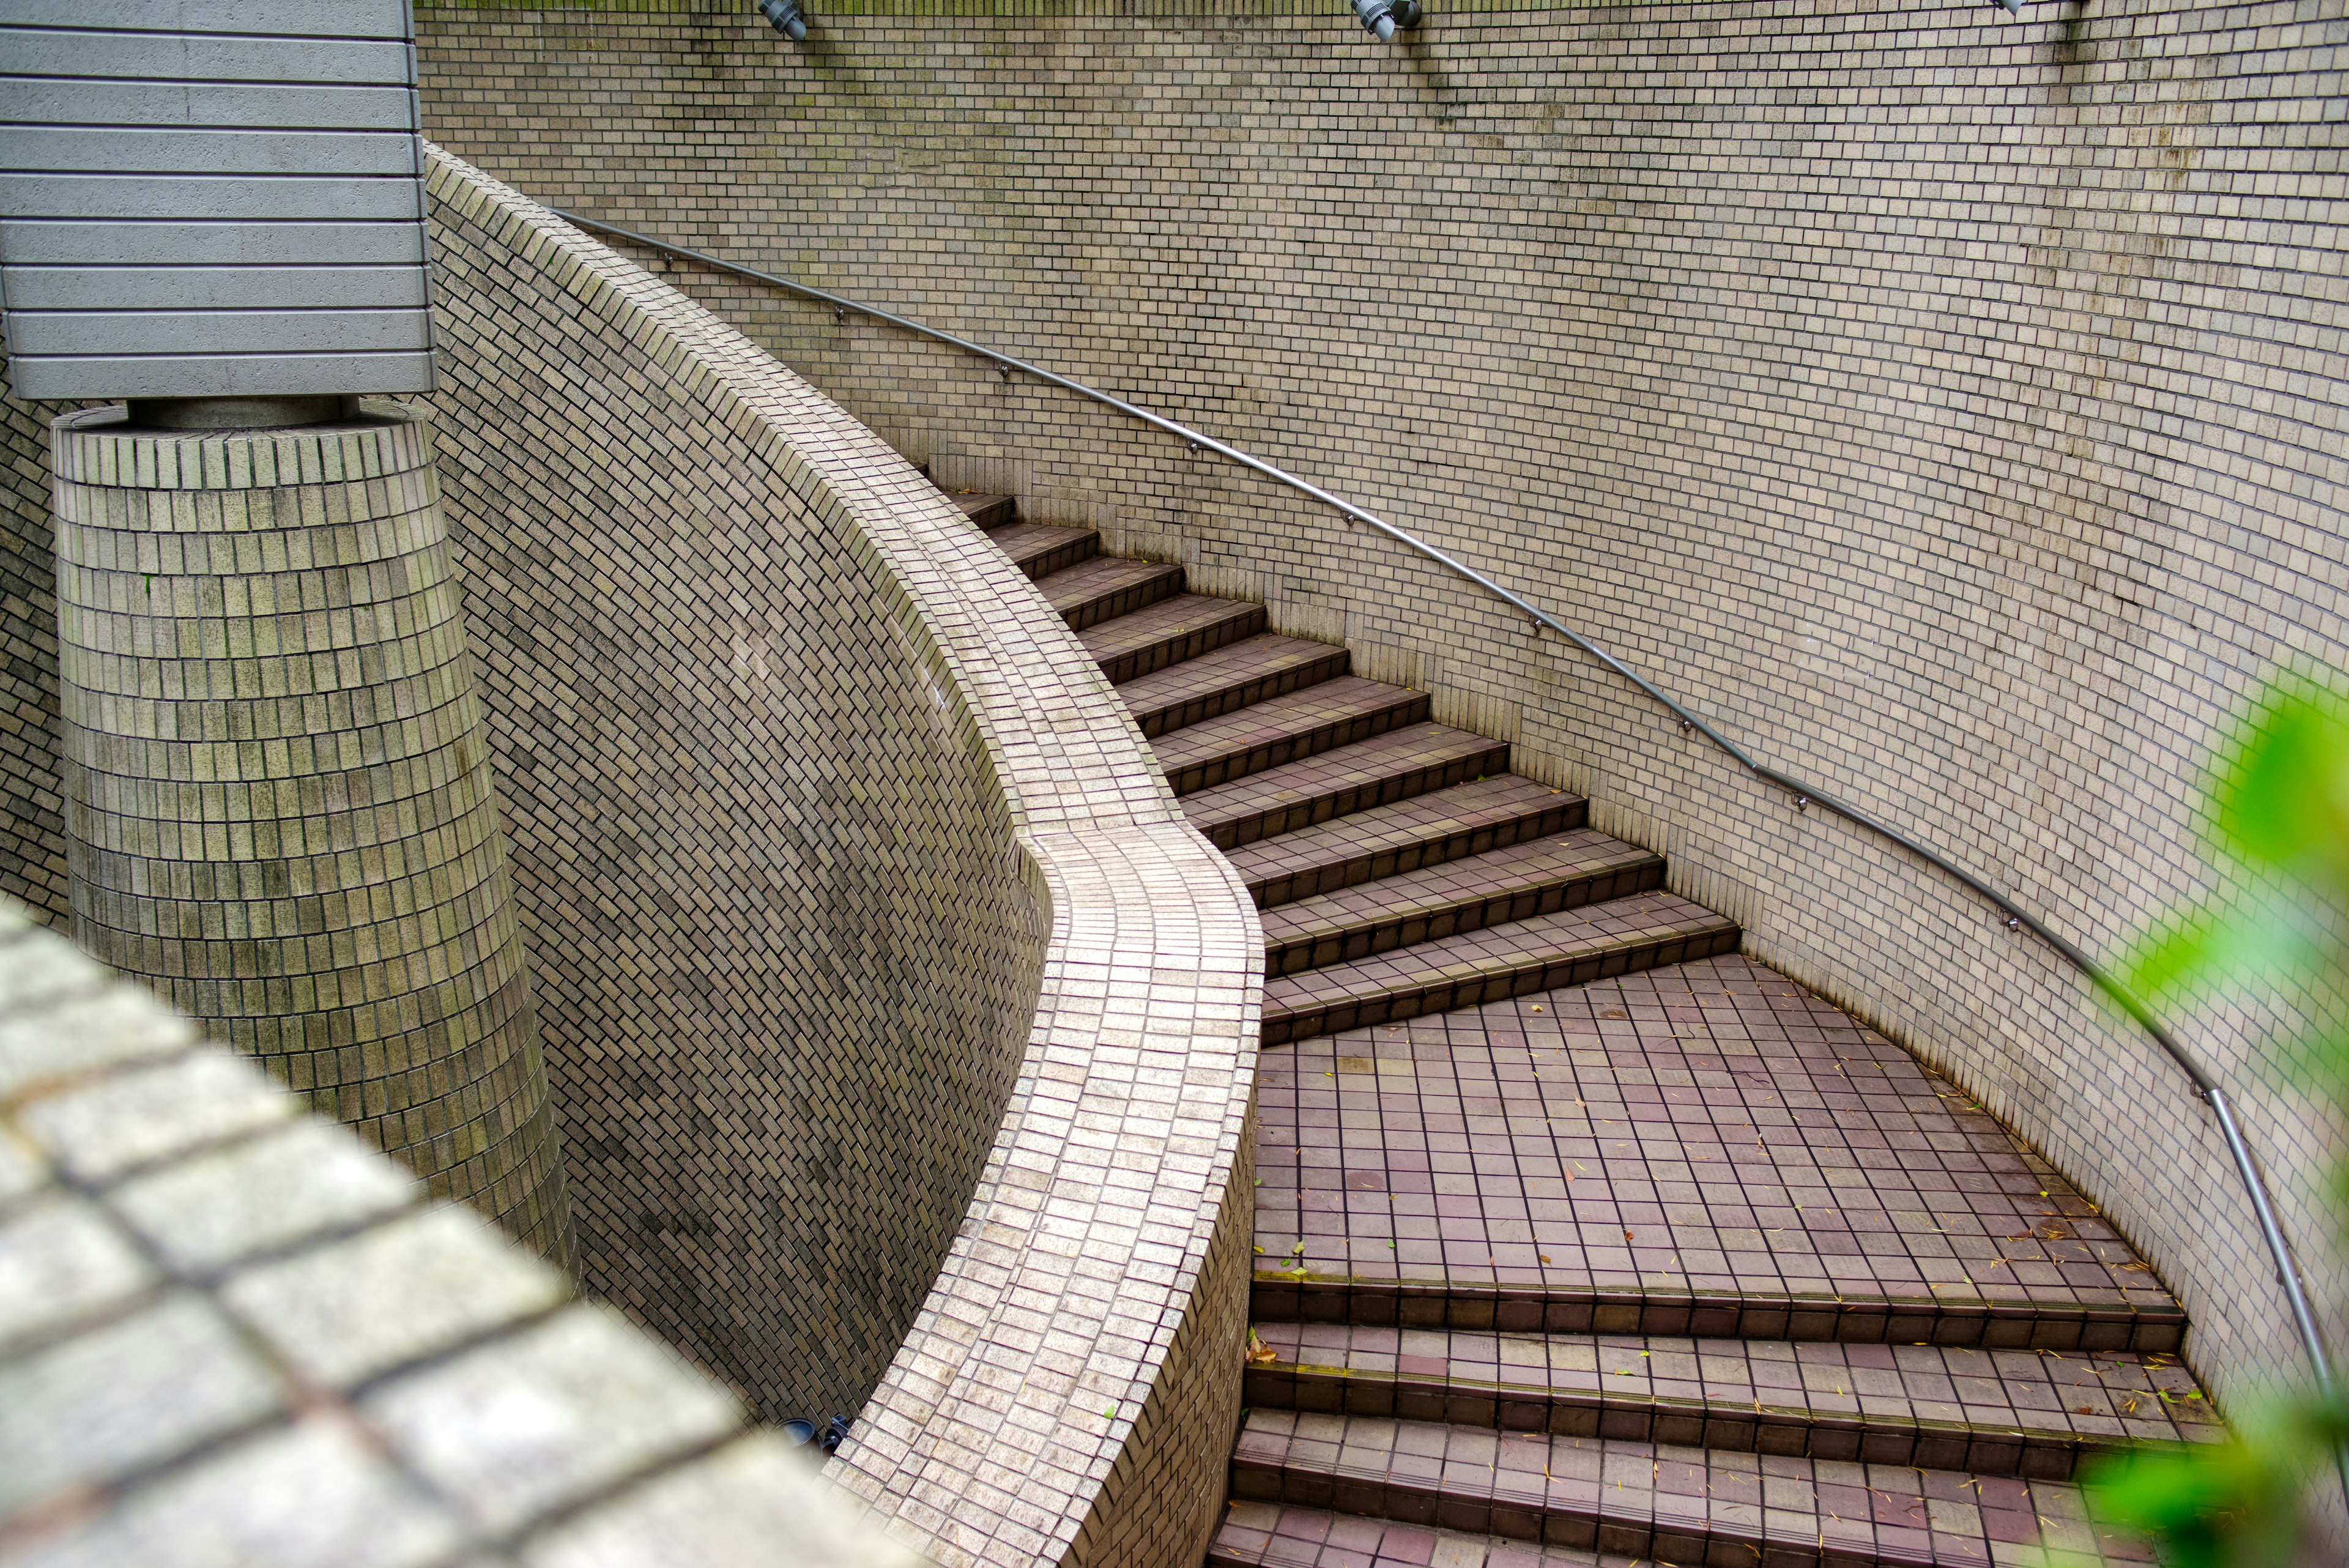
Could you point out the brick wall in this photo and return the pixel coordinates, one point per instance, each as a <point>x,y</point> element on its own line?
<point>32,821</point>
<point>847,883</point>
<point>1948,406</point>
<point>826,837</point>
<point>282,812</point>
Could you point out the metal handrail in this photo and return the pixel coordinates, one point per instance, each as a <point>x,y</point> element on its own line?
<point>1804,794</point>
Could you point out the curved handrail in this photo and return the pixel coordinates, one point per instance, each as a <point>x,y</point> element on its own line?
<point>1804,794</point>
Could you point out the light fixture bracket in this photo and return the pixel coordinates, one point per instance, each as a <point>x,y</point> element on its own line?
<point>1380,18</point>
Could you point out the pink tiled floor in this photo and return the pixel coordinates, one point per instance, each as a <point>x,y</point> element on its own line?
<point>1709,1126</point>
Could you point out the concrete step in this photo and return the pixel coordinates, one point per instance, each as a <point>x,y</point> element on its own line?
<point>1108,586</point>
<point>1041,550</point>
<point>1571,946</point>
<point>1168,633</point>
<point>1991,1412</point>
<point>1703,1150</point>
<point>1584,867</point>
<point>1229,678</point>
<point>986,511</point>
<point>1661,1500</point>
<point>1412,761</point>
<point>1404,836</point>
<point>1268,1535</point>
<point>1286,729</point>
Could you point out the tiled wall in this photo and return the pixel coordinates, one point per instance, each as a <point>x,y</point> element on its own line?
<point>32,821</point>
<point>1948,405</point>
<point>785,958</point>
<point>281,810</point>
<point>902,1031</point>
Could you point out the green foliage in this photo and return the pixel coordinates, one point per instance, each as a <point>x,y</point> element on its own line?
<point>2230,1505</point>
<point>2280,813</point>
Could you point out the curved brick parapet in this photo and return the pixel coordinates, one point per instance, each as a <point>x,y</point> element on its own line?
<point>931,1074</point>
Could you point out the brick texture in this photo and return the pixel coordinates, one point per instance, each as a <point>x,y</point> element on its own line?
<point>281,808</point>
<point>901,1029</point>
<point>1948,406</point>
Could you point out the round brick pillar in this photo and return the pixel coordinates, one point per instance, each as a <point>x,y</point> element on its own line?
<point>278,803</point>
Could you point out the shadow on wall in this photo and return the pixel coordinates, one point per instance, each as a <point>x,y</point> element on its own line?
<point>785,956</point>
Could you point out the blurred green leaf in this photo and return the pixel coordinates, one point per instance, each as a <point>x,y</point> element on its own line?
<point>2270,938</point>
<point>2221,1505</point>
<point>2282,810</point>
<point>2283,798</point>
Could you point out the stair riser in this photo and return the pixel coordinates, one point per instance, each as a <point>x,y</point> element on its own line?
<point>1294,957</point>
<point>1529,1520</point>
<point>1290,816</point>
<point>1157,721</point>
<point>1271,892</point>
<point>1393,1007</point>
<point>1061,557</point>
<point>1192,777</point>
<point>1123,601</point>
<point>2034,1458</point>
<point>998,511</point>
<point>1532,1310</point>
<point>1187,645</point>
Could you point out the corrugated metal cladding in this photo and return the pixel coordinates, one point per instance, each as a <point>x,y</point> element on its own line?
<point>211,198</point>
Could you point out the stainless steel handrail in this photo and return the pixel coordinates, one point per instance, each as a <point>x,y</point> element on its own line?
<point>1805,795</point>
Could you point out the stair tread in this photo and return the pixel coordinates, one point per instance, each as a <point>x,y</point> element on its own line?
<point>1497,874</point>
<point>1276,731</point>
<point>2090,1399</point>
<point>1292,864</point>
<point>1029,542</point>
<point>1755,1140</point>
<point>1412,747</point>
<point>1494,954</point>
<point>976,503</point>
<point>1251,663</point>
<point>1662,1500</point>
<point>1169,620</point>
<point>1278,1535</point>
<point>1072,588</point>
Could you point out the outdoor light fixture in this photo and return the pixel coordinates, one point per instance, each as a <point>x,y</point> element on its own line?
<point>800,1432</point>
<point>1381,17</point>
<point>2012,7</point>
<point>785,18</point>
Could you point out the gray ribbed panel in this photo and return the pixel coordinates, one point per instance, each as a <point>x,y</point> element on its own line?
<point>212,199</point>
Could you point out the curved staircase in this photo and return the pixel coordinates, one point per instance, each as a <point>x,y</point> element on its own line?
<point>1582,1237</point>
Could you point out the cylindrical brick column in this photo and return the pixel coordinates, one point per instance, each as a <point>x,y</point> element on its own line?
<point>278,801</point>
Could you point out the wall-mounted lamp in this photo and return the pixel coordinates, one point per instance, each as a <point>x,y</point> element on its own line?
<point>1381,17</point>
<point>785,18</point>
<point>800,1432</point>
<point>2012,7</point>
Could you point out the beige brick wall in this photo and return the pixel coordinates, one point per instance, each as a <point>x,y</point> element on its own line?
<point>1948,406</point>
<point>902,1029</point>
<point>899,1026</point>
<point>279,811</point>
<point>32,823</point>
